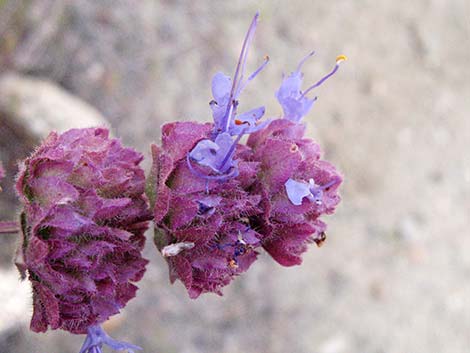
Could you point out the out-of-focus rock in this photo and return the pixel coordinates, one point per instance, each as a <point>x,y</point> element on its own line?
<point>38,106</point>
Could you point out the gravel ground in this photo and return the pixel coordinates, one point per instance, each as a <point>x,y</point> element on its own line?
<point>393,274</point>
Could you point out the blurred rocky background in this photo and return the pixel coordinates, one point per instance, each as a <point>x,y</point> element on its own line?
<point>394,274</point>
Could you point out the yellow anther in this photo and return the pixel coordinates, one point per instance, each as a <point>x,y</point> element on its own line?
<point>341,58</point>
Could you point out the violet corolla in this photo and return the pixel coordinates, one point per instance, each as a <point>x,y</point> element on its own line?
<point>83,222</point>
<point>217,151</point>
<point>295,102</point>
<point>217,155</point>
<point>97,337</point>
<point>298,190</point>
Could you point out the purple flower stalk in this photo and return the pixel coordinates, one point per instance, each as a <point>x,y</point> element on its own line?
<point>83,223</point>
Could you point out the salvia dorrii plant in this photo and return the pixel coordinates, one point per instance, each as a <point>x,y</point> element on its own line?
<point>216,202</point>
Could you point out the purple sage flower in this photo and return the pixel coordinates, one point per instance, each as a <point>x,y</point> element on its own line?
<point>217,151</point>
<point>201,225</point>
<point>217,155</point>
<point>83,223</point>
<point>247,122</point>
<point>295,103</point>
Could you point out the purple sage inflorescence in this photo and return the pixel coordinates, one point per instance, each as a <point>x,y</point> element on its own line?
<point>83,222</point>
<point>218,201</point>
<point>202,224</point>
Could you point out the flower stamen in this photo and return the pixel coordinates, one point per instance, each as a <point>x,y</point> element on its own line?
<point>308,56</point>
<point>339,60</point>
<point>239,70</point>
<point>253,75</point>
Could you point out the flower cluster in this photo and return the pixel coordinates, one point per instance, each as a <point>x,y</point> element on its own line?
<point>83,223</point>
<point>217,201</point>
<point>202,224</point>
